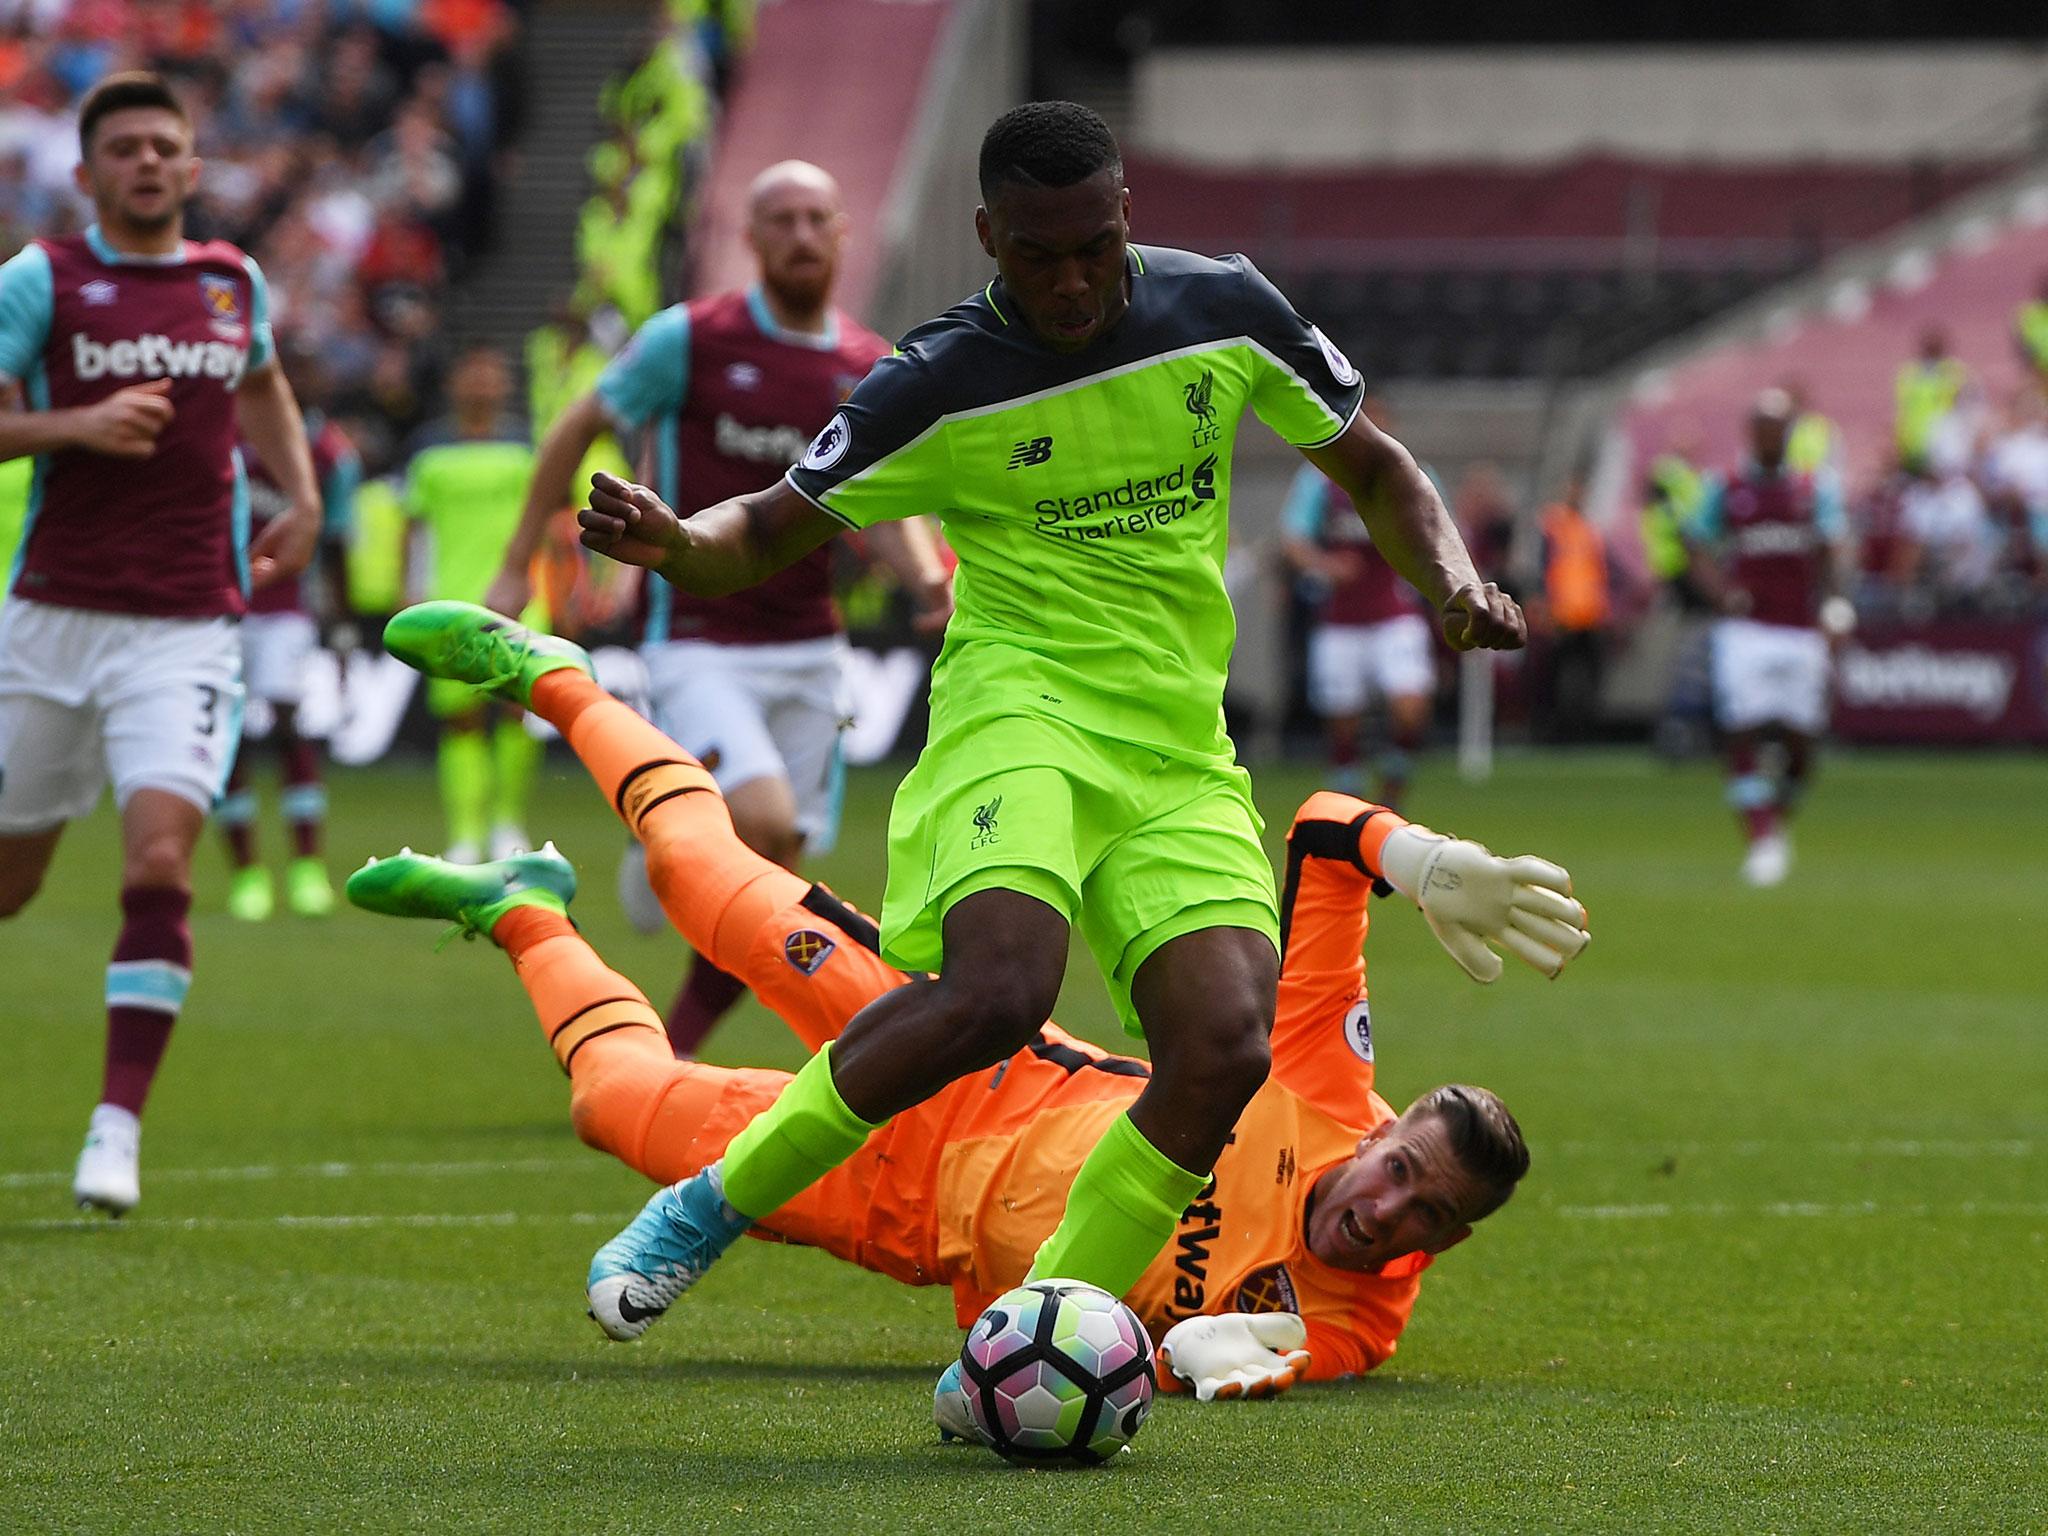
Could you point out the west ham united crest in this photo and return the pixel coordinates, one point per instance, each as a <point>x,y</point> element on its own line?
<point>222,302</point>
<point>807,949</point>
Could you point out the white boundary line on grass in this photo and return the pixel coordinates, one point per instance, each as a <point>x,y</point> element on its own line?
<point>1658,1210</point>
<point>1900,1148</point>
<point>335,1223</point>
<point>257,1172</point>
<point>1801,1210</point>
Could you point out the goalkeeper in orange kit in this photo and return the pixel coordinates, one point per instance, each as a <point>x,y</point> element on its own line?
<point>1324,1209</point>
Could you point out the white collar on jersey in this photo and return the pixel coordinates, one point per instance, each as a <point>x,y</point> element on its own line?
<point>826,340</point>
<point>95,238</point>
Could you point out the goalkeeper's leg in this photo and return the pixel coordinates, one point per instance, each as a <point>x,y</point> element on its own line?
<point>805,954</point>
<point>629,1096</point>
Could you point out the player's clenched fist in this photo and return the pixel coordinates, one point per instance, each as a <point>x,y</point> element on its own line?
<point>628,522</point>
<point>128,422</point>
<point>1236,1354</point>
<point>1481,617</point>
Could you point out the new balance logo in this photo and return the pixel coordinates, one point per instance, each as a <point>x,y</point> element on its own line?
<point>1035,451</point>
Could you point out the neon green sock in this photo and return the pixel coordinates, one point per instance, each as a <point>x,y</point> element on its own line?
<point>793,1143</point>
<point>465,770</point>
<point>515,762</point>
<point>1123,1207</point>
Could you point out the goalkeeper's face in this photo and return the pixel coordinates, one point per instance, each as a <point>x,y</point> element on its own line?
<point>1404,1191</point>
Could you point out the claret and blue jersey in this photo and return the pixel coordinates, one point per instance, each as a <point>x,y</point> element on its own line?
<point>79,321</point>
<point>730,398</point>
<point>1086,494</point>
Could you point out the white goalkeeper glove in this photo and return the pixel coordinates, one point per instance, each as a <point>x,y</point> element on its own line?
<point>1472,899</point>
<point>1237,1354</point>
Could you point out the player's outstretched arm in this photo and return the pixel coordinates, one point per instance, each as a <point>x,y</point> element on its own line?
<point>722,549</point>
<point>269,417</point>
<point>1409,524</point>
<point>552,487</point>
<point>1473,899</point>
<point>1236,1354</point>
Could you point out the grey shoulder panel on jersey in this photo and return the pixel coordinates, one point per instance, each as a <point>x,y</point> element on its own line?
<point>980,354</point>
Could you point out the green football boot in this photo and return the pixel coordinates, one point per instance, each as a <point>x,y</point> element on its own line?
<point>251,898</point>
<point>307,889</point>
<point>473,645</point>
<point>471,896</point>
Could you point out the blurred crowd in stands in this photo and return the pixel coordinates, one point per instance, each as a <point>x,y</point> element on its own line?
<point>1955,527</point>
<point>1956,524</point>
<point>352,148</point>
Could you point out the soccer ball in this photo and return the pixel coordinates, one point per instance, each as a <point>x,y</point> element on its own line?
<point>1057,1371</point>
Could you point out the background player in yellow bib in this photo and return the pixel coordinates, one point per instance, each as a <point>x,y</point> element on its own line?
<point>1073,427</point>
<point>465,483</point>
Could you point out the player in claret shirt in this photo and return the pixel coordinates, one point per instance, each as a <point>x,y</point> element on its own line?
<point>727,389</point>
<point>1768,543</point>
<point>1371,640</point>
<point>279,637</point>
<point>1324,1204</point>
<point>142,358</point>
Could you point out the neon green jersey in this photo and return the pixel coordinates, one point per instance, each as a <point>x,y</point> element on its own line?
<point>469,492</point>
<point>1086,494</point>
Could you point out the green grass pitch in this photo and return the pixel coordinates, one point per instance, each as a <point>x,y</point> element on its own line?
<point>1781,1263</point>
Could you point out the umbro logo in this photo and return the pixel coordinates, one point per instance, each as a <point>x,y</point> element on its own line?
<point>98,293</point>
<point>1032,451</point>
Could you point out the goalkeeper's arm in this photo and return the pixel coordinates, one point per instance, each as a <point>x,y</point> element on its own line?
<point>1474,900</point>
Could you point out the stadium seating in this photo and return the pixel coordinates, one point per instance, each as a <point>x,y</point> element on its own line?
<point>1498,272</point>
<point>352,151</point>
<point>1848,355</point>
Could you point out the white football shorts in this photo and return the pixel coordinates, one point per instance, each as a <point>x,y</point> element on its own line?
<point>86,697</point>
<point>1350,665</point>
<point>1770,674</point>
<point>759,711</point>
<point>277,651</point>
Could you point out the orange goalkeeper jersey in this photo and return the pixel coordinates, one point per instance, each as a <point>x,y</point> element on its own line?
<point>1015,1137</point>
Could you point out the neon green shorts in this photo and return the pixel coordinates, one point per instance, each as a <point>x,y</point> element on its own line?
<point>1134,848</point>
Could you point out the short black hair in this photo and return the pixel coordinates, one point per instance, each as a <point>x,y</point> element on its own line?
<point>1483,1137</point>
<point>1046,144</point>
<point>118,92</point>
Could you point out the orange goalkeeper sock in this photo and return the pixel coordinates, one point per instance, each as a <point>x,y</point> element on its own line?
<point>715,889</point>
<point>629,1096</point>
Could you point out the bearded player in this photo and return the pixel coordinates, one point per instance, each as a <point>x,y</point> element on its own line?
<point>729,389</point>
<point>143,356</point>
<point>1075,424</point>
<point>1324,1205</point>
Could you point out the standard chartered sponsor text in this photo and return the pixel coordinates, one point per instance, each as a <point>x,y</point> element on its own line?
<point>1134,505</point>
